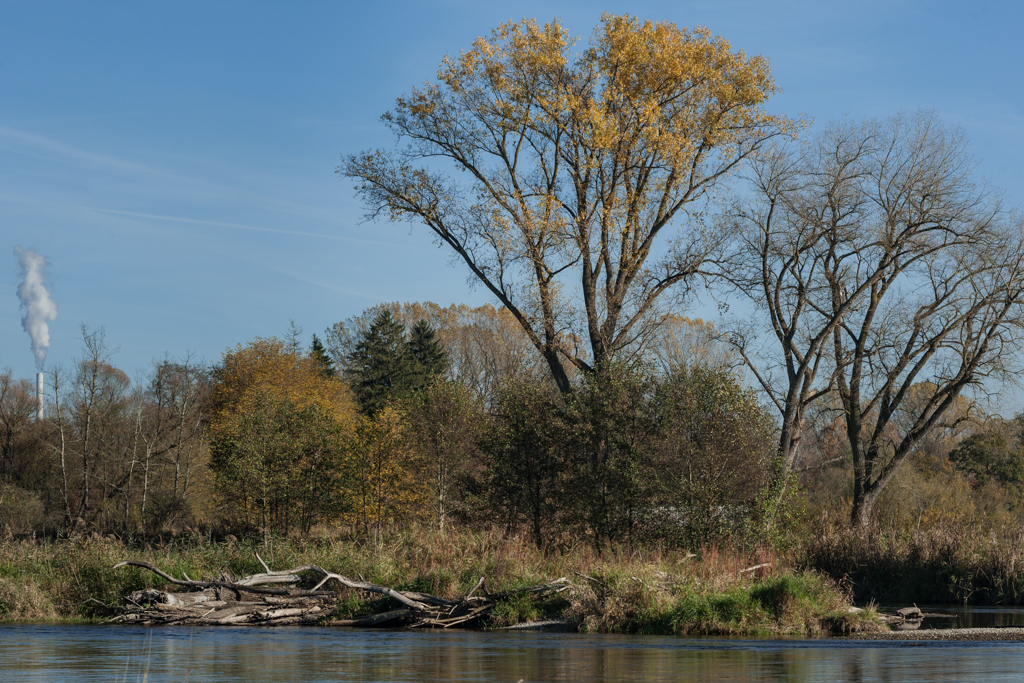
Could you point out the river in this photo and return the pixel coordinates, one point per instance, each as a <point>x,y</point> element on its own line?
<point>82,654</point>
<point>954,616</point>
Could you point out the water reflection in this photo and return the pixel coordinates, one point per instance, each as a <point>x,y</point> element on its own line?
<point>973,617</point>
<point>960,616</point>
<point>104,653</point>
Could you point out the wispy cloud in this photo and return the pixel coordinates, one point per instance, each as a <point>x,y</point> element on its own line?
<point>187,177</point>
<point>24,139</point>
<point>320,284</point>
<point>253,228</point>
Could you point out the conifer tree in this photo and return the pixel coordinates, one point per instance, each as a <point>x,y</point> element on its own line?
<point>428,358</point>
<point>318,353</point>
<point>379,368</point>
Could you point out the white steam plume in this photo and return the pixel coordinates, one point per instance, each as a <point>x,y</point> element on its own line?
<point>39,307</point>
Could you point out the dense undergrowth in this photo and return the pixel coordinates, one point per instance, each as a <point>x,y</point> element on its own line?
<point>939,565</point>
<point>655,592</point>
<point>938,535</point>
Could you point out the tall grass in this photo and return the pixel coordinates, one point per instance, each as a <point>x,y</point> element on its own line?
<point>621,590</point>
<point>949,564</point>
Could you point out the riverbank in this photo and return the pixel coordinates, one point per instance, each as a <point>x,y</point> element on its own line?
<point>1004,634</point>
<point>649,592</point>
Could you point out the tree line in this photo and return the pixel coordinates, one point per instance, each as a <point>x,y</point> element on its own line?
<point>109,454</point>
<point>384,430</point>
<point>387,427</point>
<point>593,190</point>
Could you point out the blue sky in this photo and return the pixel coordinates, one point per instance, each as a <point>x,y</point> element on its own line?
<point>175,161</point>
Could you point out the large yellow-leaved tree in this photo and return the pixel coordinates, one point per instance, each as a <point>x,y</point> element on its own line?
<point>572,181</point>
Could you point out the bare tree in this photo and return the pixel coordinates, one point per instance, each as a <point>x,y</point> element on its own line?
<point>882,264</point>
<point>17,407</point>
<point>98,399</point>
<point>60,421</point>
<point>174,436</point>
<point>582,173</point>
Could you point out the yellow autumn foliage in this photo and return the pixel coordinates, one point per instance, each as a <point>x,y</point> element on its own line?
<point>573,181</point>
<point>265,367</point>
<point>280,435</point>
<point>385,488</point>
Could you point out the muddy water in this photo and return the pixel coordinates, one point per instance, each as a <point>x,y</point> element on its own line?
<point>82,654</point>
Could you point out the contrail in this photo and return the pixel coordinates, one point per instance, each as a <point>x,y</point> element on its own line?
<point>39,307</point>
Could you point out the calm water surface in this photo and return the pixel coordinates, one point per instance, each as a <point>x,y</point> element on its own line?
<point>971,617</point>
<point>110,653</point>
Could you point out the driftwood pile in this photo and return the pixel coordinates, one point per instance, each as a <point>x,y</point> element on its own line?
<point>251,600</point>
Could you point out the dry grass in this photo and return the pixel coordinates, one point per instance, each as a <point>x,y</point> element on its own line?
<point>622,590</point>
<point>949,564</point>
<point>25,601</point>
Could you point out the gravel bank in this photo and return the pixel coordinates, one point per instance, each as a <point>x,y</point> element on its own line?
<point>1009,634</point>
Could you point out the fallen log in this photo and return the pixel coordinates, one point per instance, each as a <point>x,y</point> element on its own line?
<point>245,601</point>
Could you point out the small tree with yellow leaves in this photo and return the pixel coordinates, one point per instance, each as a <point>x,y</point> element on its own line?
<point>385,489</point>
<point>280,435</point>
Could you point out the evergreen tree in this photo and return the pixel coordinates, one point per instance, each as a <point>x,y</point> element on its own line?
<point>318,353</point>
<point>427,356</point>
<point>380,367</point>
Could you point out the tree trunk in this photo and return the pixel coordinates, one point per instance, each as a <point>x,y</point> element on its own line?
<point>248,601</point>
<point>558,371</point>
<point>860,516</point>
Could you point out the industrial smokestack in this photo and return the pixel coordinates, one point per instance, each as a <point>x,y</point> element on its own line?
<point>39,397</point>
